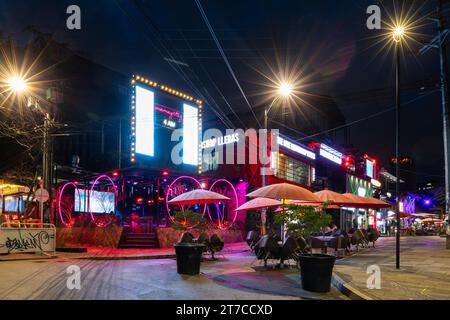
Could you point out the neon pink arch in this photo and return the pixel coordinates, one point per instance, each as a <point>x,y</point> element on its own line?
<point>220,214</point>
<point>67,224</point>
<point>91,192</point>
<point>170,187</point>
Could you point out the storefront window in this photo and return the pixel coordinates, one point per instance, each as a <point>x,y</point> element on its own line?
<point>291,169</point>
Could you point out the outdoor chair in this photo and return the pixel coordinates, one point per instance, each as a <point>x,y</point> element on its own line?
<point>339,244</point>
<point>290,250</point>
<point>186,238</point>
<point>252,238</point>
<point>215,245</point>
<point>373,236</point>
<point>267,248</point>
<point>358,239</point>
<point>303,246</point>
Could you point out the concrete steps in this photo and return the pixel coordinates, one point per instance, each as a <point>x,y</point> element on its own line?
<point>139,240</point>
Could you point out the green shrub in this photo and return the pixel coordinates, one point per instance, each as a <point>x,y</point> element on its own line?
<point>303,220</point>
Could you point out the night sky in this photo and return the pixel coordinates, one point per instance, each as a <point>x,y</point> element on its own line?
<point>328,38</point>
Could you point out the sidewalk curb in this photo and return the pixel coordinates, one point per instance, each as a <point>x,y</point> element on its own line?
<point>152,257</point>
<point>28,258</point>
<point>347,289</point>
<point>147,257</point>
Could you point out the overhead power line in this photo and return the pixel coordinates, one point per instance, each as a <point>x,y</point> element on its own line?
<point>205,18</point>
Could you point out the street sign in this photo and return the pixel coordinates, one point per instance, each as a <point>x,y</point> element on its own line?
<point>41,195</point>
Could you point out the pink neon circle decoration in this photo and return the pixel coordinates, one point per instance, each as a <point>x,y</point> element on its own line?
<point>103,176</point>
<point>61,192</point>
<point>219,213</point>
<point>169,190</point>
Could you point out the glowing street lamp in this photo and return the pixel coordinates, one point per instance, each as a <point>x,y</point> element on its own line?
<point>398,33</point>
<point>285,90</point>
<point>17,84</point>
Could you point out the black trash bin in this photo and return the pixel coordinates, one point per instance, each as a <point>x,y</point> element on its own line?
<point>188,257</point>
<point>316,271</point>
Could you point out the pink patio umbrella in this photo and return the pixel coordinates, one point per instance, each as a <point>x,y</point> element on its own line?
<point>285,191</point>
<point>365,202</point>
<point>312,204</point>
<point>198,196</point>
<point>259,203</point>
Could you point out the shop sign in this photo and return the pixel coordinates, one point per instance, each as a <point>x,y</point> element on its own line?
<point>14,240</point>
<point>359,186</point>
<point>295,148</point>
<point>219,141</point>
<point>330,154</point>
<point>375,183</point>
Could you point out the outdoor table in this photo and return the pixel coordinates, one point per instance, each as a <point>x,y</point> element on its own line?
<point>325,240</point>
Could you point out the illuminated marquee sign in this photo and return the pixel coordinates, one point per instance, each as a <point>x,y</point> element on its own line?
<point>145,121</point>
<point>330,154</point>
<point>190,134</point>
<point>151,141</point>
<point>219,141</point>
<point>295,148</point>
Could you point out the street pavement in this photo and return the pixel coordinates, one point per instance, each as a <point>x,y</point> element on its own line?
<point>424,272</point>
<point>234,276</point>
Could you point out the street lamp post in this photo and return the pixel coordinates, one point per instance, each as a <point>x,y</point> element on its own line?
<point>397,35</point>
<point>266,118</point>
<point>19,86</point>
<point>284,90</point>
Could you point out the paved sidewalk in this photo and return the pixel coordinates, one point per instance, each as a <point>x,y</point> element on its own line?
<point>424,273</point>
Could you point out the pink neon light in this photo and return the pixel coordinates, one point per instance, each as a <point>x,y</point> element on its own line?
<point>170,113</point>
<point>169,189</point>
<point>67,224</point>
<point>91,192</point>
<point>220,214</point>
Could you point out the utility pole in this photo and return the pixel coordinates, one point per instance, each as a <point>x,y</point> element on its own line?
<point>46,166</point>
<point>103,137</point>
<point>120,144</point>
<point>439,43</point>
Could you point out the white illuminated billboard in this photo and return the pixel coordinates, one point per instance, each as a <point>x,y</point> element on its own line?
<point>98,202</point>
<point>145,121</point>
<point>369,168</point>
<point>190,134</point>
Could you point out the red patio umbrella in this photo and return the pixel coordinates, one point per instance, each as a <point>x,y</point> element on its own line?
<point>433,220</point>
<point>402,215</point>
<point>365,202</point>
<point>259,203</point>
<point>198,196</point>
<point>333,197</point>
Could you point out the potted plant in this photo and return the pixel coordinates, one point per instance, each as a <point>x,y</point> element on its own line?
<point>188,252</point>
<point>316,269</point>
